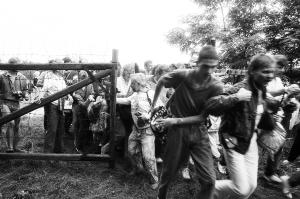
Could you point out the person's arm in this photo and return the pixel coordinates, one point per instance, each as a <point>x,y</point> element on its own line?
<point>169,80</point>
<point>41,79</point>
<point>278,92</point>
<point>159,87</point>
<point>218,105</point>
<point>25,87</point>
<point>197,119</point>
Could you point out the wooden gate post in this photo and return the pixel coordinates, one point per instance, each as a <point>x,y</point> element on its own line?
<point>113,107</point>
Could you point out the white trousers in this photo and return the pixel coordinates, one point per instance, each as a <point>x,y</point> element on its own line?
<point>243,171</point>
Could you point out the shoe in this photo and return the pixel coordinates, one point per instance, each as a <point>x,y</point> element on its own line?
<point>273,178</point>
<point>222,169</point>
<point>159,160</point>
<point>154,186</point>
<point>285,186</point>
<point>19,151</point>
<point>186,174</point>
<point>79,150</point>
<point>285,163</point>
<point>9,150</point>
<point>191,161</point>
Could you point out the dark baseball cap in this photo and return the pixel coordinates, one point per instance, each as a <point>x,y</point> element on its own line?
<point>208,55</point>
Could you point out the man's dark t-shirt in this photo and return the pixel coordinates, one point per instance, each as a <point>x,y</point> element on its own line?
<point>188,101</point>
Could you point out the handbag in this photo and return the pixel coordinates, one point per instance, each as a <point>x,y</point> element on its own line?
<point>273,140</point>
<point>267,121</point>
<point>158,113</point>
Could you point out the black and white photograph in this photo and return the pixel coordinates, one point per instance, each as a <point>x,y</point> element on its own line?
<point>161,99</point>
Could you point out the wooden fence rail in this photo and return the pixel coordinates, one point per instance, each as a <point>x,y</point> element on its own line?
<point>105,70</point>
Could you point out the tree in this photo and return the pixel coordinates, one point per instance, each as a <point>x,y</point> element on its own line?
<point>201,29</point>
<point>283,31</point>
<point>249,27</point>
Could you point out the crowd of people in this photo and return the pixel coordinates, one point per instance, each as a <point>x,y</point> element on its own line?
<point>175,116</point>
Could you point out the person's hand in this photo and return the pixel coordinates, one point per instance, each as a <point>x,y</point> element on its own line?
<point>37,100</point>
<point>244,95</point>
<point>166,122</point>
<point>292,89</point>
<point>69,82</point>
<point>91,98</point>
<point>143,116</point>
<point>26,97</point>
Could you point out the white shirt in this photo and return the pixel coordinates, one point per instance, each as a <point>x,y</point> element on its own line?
<point>275,85</point>
<point>123,86</point>
<point>140,104</point>
<point>53,83</point>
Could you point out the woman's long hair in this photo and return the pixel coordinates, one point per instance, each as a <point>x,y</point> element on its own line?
<point>258,62</point>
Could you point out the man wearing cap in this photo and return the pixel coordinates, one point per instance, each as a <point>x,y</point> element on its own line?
<point>13,88</point>
<point>187,130</point>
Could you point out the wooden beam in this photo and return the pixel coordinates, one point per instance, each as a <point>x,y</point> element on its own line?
<point>113,81</point>
<point>71,66</point>
<point>56,156</point>
<point>52,98</point>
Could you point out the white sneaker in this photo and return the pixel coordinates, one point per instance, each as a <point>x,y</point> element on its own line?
<point>273,178</point>
<point>285,186</point>
<point>222,169</point>
<point>186,174</point>
<point>285,163</point>
<point>154,186</point>
<point>159,160</point>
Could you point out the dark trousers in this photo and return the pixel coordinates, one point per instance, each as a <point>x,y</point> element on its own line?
<point>80,124</point>
<point>126,118</point>
<point>294,179</point>
<point>159,147</point>
<point>46,111</point>
<point>273,164</point>
<point>295,150</point>
<point>53,142</point>
<point>68,121</point>
<point>183,141</point>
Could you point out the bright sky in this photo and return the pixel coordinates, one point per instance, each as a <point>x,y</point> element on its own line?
<point>38,30</point>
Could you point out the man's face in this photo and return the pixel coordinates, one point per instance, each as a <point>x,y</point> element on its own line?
<point>206,69</point>
<point>126,74</point>
<point>264,75</point>
<point>149,66</point>
<point>279,69</point>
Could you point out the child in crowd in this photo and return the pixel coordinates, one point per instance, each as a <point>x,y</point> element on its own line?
<point>141,139</point>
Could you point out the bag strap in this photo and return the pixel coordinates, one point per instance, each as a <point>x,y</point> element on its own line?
<point>148,98</point>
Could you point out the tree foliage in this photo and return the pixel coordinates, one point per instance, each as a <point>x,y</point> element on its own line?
<point>249,27</point>
<point>200,31</point>
<point>283,30</point>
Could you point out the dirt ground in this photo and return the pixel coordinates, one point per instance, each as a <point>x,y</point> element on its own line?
<point>91,180</point>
